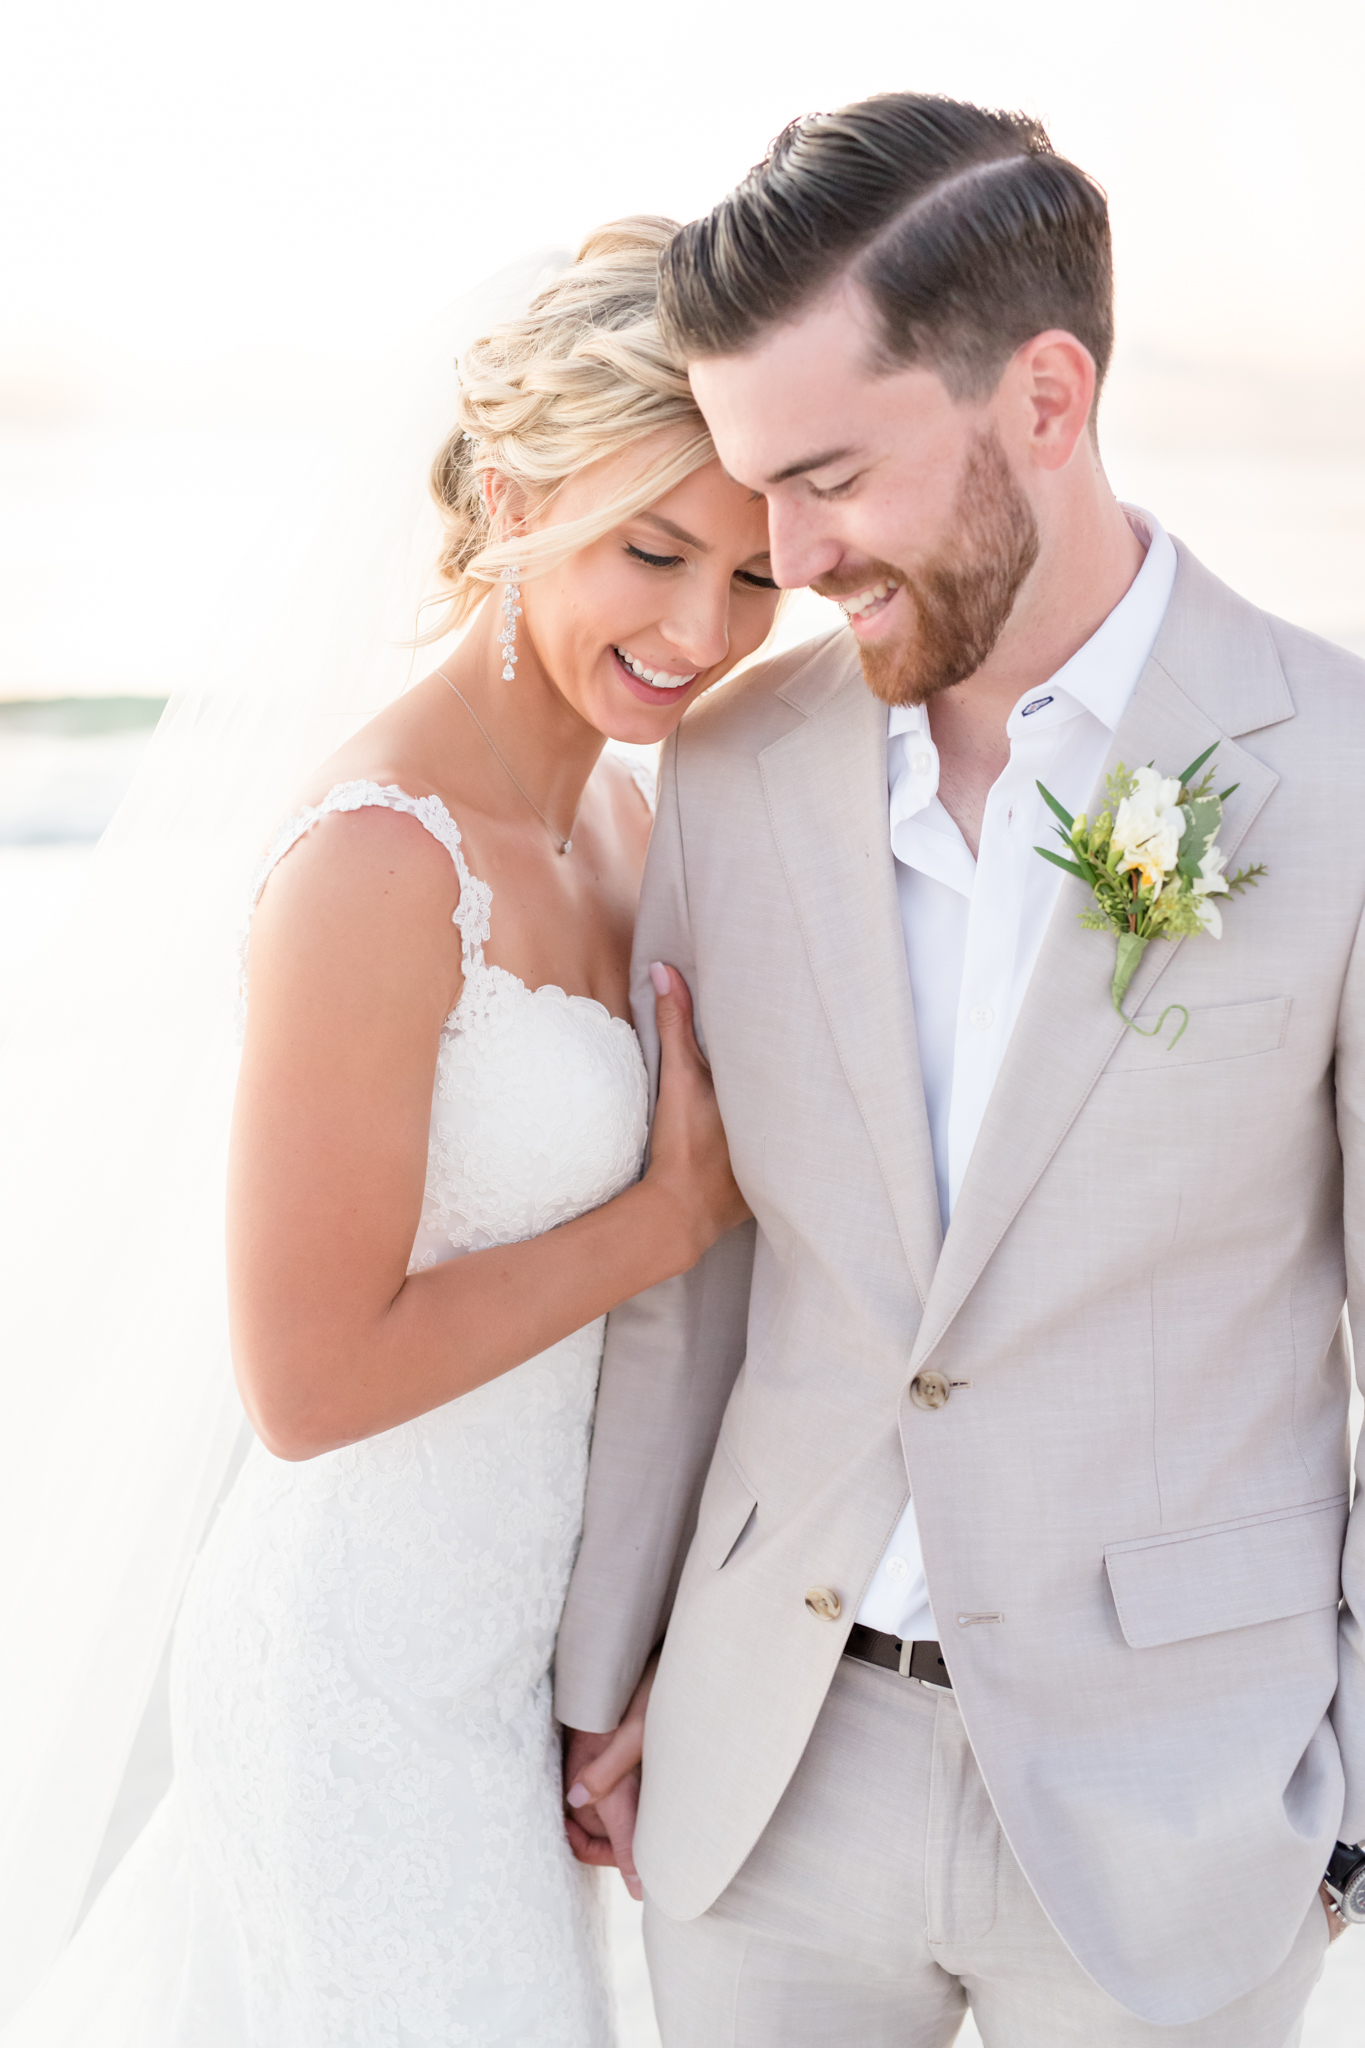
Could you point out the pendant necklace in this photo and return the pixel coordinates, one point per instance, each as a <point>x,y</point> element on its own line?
<point>563,845</point>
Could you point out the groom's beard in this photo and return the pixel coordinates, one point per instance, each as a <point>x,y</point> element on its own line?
<point>959,603</point>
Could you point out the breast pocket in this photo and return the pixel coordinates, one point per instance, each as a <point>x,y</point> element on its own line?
<point>1230,1031</point>
<point>1198,1582</point>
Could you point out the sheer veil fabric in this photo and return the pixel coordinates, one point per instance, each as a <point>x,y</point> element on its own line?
<point>119,1410</point>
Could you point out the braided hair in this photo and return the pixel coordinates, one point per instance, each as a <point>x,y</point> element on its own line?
<point>583,375</point>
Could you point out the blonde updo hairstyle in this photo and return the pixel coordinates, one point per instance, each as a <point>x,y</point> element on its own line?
<point>584,375</point>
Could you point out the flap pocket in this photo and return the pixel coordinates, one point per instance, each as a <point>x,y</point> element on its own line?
<point>727,1502</point>
<point>1230,1575</point>
<point>1231,1031</point>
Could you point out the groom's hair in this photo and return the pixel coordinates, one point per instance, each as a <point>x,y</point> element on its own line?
<point>964,228</point>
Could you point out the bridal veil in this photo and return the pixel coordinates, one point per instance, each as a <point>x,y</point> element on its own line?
<point>119,1413</point>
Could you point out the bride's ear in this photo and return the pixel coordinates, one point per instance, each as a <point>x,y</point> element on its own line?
<point>506,504</point>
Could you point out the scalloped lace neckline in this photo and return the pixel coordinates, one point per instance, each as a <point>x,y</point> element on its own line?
<point>505,977</point>
<point>471,915</point>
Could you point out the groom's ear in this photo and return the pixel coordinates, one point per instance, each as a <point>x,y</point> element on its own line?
<point>1048,393</point>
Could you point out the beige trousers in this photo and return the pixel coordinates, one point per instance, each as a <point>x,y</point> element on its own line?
<point>882,1900</point>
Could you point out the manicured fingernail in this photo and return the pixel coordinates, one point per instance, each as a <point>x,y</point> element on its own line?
<point>658,974</point>
<point>579,1795</point>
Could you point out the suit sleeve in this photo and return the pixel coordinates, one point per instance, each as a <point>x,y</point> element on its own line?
<point>670,1362</point>
<point>1348,1709</point>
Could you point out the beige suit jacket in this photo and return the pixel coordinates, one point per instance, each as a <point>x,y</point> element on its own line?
<point>1133,1505</point>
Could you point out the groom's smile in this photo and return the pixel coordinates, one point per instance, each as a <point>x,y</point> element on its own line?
<point>861,608</point>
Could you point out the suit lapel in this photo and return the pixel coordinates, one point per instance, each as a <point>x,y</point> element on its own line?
<point>1067,1029</point>
<point>825,783</point>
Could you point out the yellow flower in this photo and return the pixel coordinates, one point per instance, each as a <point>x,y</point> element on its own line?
<point>1149,872</point>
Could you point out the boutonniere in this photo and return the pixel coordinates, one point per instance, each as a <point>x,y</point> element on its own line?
<point>1152,865</point>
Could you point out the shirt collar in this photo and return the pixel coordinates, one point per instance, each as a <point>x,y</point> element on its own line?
<point>1102,675</point>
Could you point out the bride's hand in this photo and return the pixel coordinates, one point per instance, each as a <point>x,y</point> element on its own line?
<point>689,1157</point>
<point>602,1773</point>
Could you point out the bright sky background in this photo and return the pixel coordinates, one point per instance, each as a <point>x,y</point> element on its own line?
<point>189,180</point>
<point>216,215</point>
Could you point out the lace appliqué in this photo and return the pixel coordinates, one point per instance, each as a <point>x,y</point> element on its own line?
<point>474,913</point>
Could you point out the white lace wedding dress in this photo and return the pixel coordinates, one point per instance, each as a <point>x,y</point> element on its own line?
<point>363,1847</point>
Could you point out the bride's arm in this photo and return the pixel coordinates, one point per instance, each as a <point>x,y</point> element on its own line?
<point>354,967</point>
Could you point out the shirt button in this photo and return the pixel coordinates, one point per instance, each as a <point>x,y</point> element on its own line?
<point>896,1567</point>
<point>922,763</point>
<point>983,1016</point>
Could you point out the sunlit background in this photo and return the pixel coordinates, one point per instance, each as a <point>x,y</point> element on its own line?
<point>220,220</point>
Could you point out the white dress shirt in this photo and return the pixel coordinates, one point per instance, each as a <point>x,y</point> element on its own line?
<point>974,928</point>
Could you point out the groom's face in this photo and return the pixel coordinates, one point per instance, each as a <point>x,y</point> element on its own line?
<point>883,491</point>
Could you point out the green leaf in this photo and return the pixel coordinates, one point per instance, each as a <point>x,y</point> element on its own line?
<point>1203,815</point>
<point>1195,766</point>
<point>1058,810</point>
<point>1224,794</point>
<point>1068,866</point>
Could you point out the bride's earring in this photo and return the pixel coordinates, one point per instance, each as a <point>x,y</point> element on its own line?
<point>511,612</point>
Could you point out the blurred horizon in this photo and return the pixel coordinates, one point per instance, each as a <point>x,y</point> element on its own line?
<point>135,522</point>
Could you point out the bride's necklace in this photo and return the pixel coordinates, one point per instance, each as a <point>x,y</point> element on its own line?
<point>564,845</point>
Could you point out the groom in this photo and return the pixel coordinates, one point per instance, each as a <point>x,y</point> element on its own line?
<point>992,1489</point>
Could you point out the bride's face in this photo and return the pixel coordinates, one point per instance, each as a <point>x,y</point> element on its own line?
<point>679,594</point>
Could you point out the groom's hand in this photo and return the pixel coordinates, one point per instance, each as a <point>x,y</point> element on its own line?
<point>602,1788</point>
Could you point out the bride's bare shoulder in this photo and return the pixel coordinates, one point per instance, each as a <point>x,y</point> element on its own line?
<point>367,868</point>
<point>356,918</point>
<point>376,831</point>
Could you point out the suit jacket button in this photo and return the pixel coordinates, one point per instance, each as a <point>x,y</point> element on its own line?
<point>822,1600</point>
<point>929,1390</point>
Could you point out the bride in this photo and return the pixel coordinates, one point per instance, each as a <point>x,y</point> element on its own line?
<point>434,1197</point>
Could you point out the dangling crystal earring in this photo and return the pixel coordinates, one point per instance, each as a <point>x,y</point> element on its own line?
<point>511,612</point>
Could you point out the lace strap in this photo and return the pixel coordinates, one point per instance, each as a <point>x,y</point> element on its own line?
<point>471,914</point>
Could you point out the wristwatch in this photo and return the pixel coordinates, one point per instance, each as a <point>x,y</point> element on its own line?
<point>1346,1882</point>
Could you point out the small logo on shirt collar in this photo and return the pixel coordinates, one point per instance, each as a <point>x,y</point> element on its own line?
<point>1036,704</point>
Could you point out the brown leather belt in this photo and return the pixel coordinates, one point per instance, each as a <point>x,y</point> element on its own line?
<point>911,1660</point>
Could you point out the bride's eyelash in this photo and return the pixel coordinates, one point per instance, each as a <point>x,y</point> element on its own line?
<point>748,576</point>
<point>654,561</point>
<point>834,490</point>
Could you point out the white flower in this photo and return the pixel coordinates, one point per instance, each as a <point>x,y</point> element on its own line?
<point>1210,881</point>
<point>1148,827</point>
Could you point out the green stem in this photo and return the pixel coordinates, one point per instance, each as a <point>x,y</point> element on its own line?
<point>1130,951</point>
